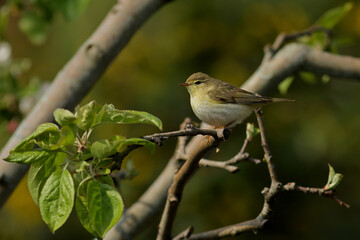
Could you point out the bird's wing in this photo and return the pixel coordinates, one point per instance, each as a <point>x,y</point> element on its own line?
<point>227,93</point>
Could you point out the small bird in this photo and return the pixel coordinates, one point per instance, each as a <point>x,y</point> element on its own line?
<point>221,104</point>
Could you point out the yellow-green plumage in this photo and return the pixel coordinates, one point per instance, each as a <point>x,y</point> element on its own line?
<point>221,104</point>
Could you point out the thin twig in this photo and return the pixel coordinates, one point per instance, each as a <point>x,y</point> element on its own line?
<point>241,156</point>
<point>190,130</point>
<point>218,164</point>
<point>264,144</point>
<point>316,191</point>
<point>229,231</point>
<point>184,234</point>
<point>283,38</point>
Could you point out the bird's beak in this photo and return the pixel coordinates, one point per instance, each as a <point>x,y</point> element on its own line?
<point>184,84</point>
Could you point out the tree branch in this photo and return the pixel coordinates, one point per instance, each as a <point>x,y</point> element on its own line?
<point>264,144</point>
<point>181,178</point>
<point>283,38</point>
<point>272,70</point>
<point>241,156</point>
<point>316,191</point>
<point>275,189</point>
<point>294,57</point>
<point>189,130</point>
<point>75,80</point>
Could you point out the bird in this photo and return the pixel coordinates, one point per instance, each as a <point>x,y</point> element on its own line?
<point>221,104</point>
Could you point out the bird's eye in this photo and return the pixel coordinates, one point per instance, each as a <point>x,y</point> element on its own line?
<point>198,82</point>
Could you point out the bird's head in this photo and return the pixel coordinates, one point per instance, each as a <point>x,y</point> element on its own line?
<point>198,84</point>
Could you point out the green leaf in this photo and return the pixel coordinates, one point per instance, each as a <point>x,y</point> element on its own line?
<point>45,136</point>
<point>331,17</point>
<point>251,131</point>
<point>47,133</point>
<point>106,180</point>
<point>40,171</point>
<point>35,27</point>
<point>308,77</point>
<point>140,141</point>
<point>285,84</point>
<point>27,157</point>
<point>81,204</point>
<point>67,136</point>
<point>57,199</point>
<point>105,206</point>
<point>331,174</point>
<point>64,117</point>
<point>104,148</point>
<point>86,115</point>
<point>109,114</point>
<point>72,8</point>
<point>93,114</point>
<point>334,179</point>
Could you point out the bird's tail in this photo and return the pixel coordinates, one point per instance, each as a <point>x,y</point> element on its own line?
<point>281,100</point>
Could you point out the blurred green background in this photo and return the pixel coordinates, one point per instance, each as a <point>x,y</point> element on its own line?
<point>224,39</point>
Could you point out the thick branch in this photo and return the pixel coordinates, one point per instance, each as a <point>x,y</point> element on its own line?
<point>75,80</point>
<point>294,57</point>
<point>180,179</point>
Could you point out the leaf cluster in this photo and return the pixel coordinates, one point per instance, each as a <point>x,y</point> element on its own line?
<point>68,169</point>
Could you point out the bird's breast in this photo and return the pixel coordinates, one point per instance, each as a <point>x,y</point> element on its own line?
<point>219,114</point>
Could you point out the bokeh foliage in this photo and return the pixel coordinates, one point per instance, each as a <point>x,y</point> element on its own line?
<point>224,39</point>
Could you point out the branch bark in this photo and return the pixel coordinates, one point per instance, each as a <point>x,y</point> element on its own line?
<point>77,77</point>
<point>180,179</point>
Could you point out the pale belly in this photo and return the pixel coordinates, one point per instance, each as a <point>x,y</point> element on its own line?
<point>220,115</point>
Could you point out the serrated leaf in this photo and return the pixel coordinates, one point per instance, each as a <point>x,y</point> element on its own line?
<point>57,199</point>
<point>106,180</point>
<point>86,115</point>
<point>105,206</point>
<point>140,141</point>
<point>109,114</point>
<point>104,148</point>
<point>27,157</point>
<point>46,133</point>
<point>81,205</point>
<point>331,17</point>
<point>93,114</point>
<point>67,136</point>
<point>64,117</point>
<point>40,171</point>
<point>285,84</point>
